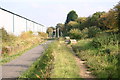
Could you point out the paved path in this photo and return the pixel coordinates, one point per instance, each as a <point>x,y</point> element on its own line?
<point>14,68</point>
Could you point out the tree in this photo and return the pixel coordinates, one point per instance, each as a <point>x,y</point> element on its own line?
<point>93,31</point>
<point>75,34</point>
<point>72,25</point>
<point>108,20</point>
<point>117,9</point>
<point>81,21</point>
<point>60,29</point>
<point>50,31</point>
<point>72,16</point>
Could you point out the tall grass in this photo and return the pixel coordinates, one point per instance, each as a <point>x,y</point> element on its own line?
<point>102,55</point>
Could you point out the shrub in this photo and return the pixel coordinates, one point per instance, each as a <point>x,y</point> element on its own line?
<point>42,34</point>
<point>93,31</point>
<point>106,39</point>
<point>25,35</point>
<point>85,33</point>
<point>96,44</point>
<point>75,34</point>
<point>5,35</point>
<point>7,39</point>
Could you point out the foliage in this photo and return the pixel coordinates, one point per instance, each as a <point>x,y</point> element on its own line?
<point>61,29</point>
<point>72,25</point>
<point>7,37</point>
<point>92,20</point>
<point>85,33</point>
<point>75,34</point>
<point>104,20</point>
<point>42,34</point>
<point>12,45</point>
<point>71,16</point>
<point>108,20</point>
<point>107,39</point>
<point>26,35</point>
<point>117,9</point>
<point>101,54</point>
<point>81,21</point>
<point>93,31</point>
<point>50,31</point>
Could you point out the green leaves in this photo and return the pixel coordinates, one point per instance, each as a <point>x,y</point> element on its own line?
<point>75,34</point>
<point>72,16</point>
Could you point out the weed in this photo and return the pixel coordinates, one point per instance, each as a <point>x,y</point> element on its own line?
<point>101,55</point>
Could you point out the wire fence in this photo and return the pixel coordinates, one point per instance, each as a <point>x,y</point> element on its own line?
<point>16,24</point>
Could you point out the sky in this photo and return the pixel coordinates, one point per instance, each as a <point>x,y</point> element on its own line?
<point>51,12</point>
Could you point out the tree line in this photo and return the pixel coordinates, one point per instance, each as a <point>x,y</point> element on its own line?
<point>99,21</point>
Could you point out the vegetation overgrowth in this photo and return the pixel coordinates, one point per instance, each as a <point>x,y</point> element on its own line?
<point>98,39</point>
<point>13,46</point>
<point>102,55</point>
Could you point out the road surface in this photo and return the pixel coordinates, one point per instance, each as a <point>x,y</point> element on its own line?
<point>14,68</point>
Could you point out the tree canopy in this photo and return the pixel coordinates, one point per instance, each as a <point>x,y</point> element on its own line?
<point>72,16</point>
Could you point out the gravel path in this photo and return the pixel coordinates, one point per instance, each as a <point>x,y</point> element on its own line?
<point>14,68</point>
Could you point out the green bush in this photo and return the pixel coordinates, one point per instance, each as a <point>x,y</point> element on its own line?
<point>75,34</point>
<point>96,44</point>
<point>7,39</point>
<point>85,33</point>
<point>5,36</point>
<point>106,39</point>
<point>93,31</point>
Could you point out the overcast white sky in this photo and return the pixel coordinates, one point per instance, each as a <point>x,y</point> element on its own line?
<point>51,12</point>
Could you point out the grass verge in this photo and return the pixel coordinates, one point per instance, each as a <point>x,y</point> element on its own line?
<point>64,63</point>
<point>42,67</point>
<point>8,58</point>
